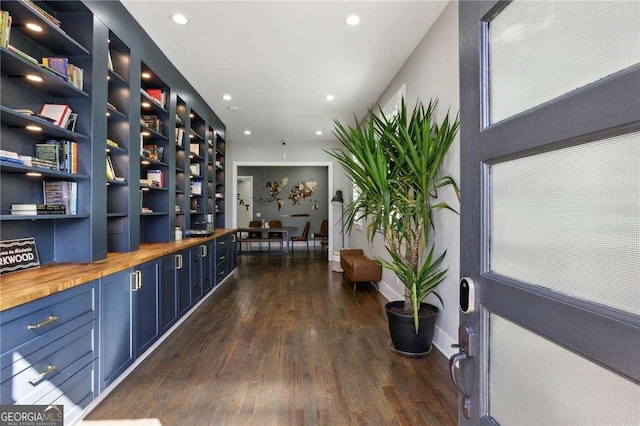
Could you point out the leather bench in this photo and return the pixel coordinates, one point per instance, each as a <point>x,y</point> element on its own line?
<point>359,268</point>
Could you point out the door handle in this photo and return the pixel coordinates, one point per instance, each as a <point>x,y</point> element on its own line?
<point>466,345</point>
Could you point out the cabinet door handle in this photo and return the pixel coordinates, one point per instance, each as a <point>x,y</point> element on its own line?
<point>222,243</point>
<point>222,257</point>
<point>42,375</point>
<point>42,323</point>
<point>178,261</point>
<point>139,279</point>
<point>134,281</point>
<point>204,251</point>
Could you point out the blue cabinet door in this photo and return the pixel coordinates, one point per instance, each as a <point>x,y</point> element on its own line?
<point>146,296</point>
<point>116,325</point>
<point>196,274</point>
<point>168,291</point>
<point>207,252</point>
<point>183,281</point>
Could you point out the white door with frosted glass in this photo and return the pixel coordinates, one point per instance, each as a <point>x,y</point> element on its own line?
<point>550,159</point>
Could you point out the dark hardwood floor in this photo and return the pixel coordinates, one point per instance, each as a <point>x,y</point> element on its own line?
<point>285,342</point>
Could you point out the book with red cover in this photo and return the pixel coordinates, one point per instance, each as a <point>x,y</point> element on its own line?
<point>156,94</point>
<point>59,113</point>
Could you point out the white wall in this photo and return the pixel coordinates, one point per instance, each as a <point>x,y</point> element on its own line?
<point>270,153</point>
<point>245,214</point>
<point>432,72</point>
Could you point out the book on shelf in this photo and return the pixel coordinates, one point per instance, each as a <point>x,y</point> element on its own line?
<point>111,173</point>
<point>109,60</point>
<point>196,187</point>
<point>37,209</point>
<point>41,12</point>
<point>153,152</point>
<point>10,156</point>
<point>75,76</point>
<point>157,95</point>
<point>73,119</point>
<point>195,168</point>
<point>22,54</point>
<point>59,65</point>
<point>152,122</point>
<point>35,114</point>
<point>5,27</point>
<point>156,177</point>
<point>195,148</point>
<point>61,192</point>
<point>67,154</point>
<point>58,112</point>
<point>112,143</point>
<point>179,134</point>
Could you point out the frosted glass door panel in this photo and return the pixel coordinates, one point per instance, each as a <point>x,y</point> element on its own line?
<point>569,220</point>
<point>539,50</point>
<point>533,381</point>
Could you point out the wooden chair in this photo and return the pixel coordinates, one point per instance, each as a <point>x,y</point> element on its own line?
<point>253,236</point>
<point>303,237</point>
<point>323,234</point>
<point>276,236</point>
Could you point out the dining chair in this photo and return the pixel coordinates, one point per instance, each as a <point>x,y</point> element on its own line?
<point>255,235</point>
<point>276,235</point>
<point>323,234</point>
<point>303,237</point>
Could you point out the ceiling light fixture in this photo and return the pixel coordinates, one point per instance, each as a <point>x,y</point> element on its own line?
<point>34,78</point>
<point>226,97</point>
<point>179,19</point>
<point>34,27</point>
<point>145,104</point>
<point>353,20</point>
<point>318,132</point>
<point>247,132</point>
<point>146,75</point>
<point>191,115</point>
<point>35,174</point>
<point>329,97</point>
<point>34,128</point>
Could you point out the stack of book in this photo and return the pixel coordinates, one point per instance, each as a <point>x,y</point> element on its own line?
<point>179,134</point>
<point>153,152</point>
<point>156,95</point>
<point>37,209</point>
<point>152,122</point>
<point>10,156</point>
<point>5,27</point>
<point>62,192</point>
<point>156,177</point>
<point>62,154</point>
<point>41,12</point>
<point>70,73</point>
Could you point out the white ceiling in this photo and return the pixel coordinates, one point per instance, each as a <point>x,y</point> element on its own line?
<point>279,59</point>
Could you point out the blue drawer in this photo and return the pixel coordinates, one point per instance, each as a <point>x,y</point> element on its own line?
<point>29,327</point>
<point>33,376</point>
<point>75,394</point>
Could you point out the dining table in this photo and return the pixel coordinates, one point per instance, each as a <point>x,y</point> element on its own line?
<point>285,230</point>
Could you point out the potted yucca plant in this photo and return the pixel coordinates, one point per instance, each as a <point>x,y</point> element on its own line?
<point>395,164</point>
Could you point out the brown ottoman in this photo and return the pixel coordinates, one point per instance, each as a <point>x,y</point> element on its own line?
<point>359,268</point>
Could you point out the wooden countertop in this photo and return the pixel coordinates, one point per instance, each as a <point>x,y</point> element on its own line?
<point>18,288</point>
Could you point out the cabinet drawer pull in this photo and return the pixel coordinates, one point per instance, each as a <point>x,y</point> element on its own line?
<point>42,375</point>
<point>204,251</point>
<point>222,257</point>
<point>42,323</point>
<point>222,243</point>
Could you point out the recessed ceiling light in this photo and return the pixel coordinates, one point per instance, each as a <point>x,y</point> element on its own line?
<point>34,128</point>
<point>247,132</point>
<point>353,20</point>
<point>329,97</point>
<point>34,27</point>
<point>233,108</point>
<point>145,134</point>
<point>318,132</point>
<point>146,75</point>
<point>179,19</point>
<point>34,77</point>
<point>226,97</point>
<point>145,162</point>
<point>145,104</point>
<point>191,115</point>
<point>36,174</point>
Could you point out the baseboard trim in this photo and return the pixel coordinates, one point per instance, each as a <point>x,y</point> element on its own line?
<point>148,352</point>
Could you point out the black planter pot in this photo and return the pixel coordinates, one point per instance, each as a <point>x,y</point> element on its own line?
<point>403,332</point>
